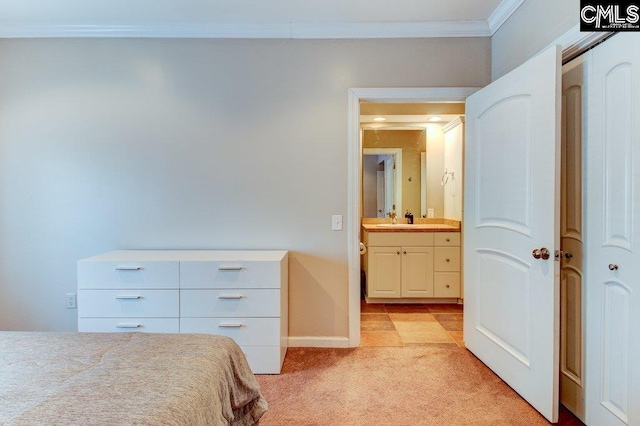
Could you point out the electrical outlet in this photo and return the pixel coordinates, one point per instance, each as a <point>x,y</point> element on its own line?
<point>71,301</point>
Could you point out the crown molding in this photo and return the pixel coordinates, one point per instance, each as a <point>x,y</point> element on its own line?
<point>392,30</point>
<point>279,31</point>
<point>453,124</point>
<point>502,13</point>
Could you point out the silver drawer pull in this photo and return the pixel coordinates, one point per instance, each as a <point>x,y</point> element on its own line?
<point>128,268</point>
<point>128,325</point>
<point>229,268</point>
<point>128,297</point>
<point>230,325</point>
<point>230,297</point>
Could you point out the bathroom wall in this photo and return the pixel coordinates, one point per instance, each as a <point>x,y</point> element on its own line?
<point>190,144</point>
<point>453,164</point>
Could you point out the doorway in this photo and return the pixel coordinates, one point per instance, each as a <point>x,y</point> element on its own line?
<point>412,296</point>
<point>378,95</point>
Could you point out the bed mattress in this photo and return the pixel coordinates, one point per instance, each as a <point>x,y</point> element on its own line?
<point>125,378</point>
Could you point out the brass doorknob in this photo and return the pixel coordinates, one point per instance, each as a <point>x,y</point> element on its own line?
<point>613,267</point>
<point>541,253</point>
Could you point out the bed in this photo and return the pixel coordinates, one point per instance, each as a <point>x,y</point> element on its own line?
<point>125,378</point>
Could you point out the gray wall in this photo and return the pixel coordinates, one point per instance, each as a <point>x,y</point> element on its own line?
<point>186,144</point>
<point>535,25</point>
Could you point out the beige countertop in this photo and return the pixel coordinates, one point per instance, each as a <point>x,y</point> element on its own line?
<point>417,227</point>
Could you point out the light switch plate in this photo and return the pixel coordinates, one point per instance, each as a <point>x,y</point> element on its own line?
<point>336,222</point>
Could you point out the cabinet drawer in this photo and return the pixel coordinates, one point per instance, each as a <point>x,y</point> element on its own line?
<point>446,284</point>
<point>245,331</point>
<point>446,239</point>
<point>122,325</point>
<point>265,359</point>
<point>230,303</point>
<point>230,274</point>
<point>446,259</point>
<point>128,303</point>
<point>386,239</point>
<point>127,274</point>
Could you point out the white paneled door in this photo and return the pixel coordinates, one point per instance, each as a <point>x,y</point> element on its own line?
<point>512,228</point>
<point>572,260</point>
<point>613,232</point>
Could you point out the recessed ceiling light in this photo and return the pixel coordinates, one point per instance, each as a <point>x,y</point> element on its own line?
<point>435,118</point>
<point>379,119</point>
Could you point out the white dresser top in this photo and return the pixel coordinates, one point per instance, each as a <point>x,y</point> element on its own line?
<point>188,255</point>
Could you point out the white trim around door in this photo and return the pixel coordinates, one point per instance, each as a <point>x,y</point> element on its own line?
<point>354,185</point>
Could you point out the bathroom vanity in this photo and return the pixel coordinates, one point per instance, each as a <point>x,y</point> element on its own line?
<point>412,263</point>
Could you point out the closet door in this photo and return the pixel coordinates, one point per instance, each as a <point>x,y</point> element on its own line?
<point>571,242</point>
<point>613,232</point>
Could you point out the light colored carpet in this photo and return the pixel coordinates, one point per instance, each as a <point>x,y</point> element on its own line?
<point>422,385</point>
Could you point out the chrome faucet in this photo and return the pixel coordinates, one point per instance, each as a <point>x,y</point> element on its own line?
<point>393,215</point>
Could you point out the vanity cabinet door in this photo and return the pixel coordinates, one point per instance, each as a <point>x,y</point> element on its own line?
<point>417,272</point>
<point>384,271</point>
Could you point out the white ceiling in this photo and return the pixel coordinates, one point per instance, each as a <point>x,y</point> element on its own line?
<point>253,18</point>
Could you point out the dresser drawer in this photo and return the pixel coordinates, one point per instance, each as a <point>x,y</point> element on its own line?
<point>230,274</point>
<point>446,284</point>
<point>128,303</point>
<point>128,274</point>
<point>115,325</point>
<point>446,239</point>
<point>446,259</point>
<point>245,331</point>
<point>230,303</point>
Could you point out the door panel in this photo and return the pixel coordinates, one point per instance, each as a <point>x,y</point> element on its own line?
<point>571,240</point>
<point>613,226</point>
<point>511,208</point>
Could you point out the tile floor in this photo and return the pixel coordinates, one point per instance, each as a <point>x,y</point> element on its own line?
<point>410,325</point>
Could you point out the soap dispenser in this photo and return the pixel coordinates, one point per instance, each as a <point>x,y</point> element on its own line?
<point>409,217</point>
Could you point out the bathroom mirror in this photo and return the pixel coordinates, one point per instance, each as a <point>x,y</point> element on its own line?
<point>417,132</point>
<point>393,168</point>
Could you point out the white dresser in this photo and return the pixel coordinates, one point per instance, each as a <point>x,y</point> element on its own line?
<point>236,293</point>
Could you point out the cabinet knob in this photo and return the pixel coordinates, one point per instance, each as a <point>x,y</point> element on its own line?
<point>448,286</point>
<point>613,267</point>
<point>404,252</point>
<point>447,260</point>
<point>448,239</point>
<point>398,252</point>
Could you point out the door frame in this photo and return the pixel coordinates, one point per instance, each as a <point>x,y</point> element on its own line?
<point>573,44</point>
<point>357,95</point>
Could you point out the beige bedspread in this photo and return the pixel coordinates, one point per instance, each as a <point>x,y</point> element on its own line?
<point>118,379</point>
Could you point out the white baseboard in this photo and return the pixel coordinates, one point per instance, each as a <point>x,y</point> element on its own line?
<point>318,342</point>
